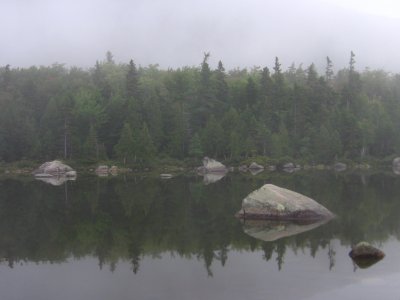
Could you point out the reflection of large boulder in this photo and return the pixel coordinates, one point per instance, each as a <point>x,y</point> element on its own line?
<point>212,166</point>
<point>365,255</point>
<point>54,168</point>
<point>271,230</point>
<point>273,202</point>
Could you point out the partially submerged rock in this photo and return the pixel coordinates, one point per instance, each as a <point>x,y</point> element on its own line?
<point>365,250</point>
<point>288,167</point>
<point>271,202</point>
<point>362,166</point>
<point>365,255</point>
<point>166,176</point>
<point>54,168</point>
<point>114,170</point>
<point>255,166</point>
<point>243,168</point>
<point>339,167</point>
<point>102,170</point>
<point>212,166</point>
<point>272,230</point>
<point>256,171</point>
<point>291,167</point>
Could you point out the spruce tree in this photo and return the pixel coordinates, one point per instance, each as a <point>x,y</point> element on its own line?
<point>195,149</point>
<point>329,69</point>
<point>132,81</point>
<point>126,147</point>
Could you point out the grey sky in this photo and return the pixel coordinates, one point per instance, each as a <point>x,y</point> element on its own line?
<point>175,33</point>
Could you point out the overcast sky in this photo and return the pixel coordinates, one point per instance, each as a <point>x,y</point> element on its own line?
<point>175,33</point>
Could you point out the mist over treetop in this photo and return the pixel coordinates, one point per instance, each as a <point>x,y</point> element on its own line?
<point>175,33</point>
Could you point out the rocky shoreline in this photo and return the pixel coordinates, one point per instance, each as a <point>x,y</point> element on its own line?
<point>211,166</point>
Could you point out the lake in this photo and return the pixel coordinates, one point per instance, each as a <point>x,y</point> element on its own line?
<point>150,238</point>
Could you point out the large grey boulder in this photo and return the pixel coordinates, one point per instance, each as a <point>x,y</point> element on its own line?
<point>54,168</point>
<point>276,203</point>
<point>212,166</point>
<point>272,230</point>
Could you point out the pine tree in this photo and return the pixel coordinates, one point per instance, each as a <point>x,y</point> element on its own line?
<point>195,149</point>
<point>212,138</point>
<point>329,69</point>
<point>352,62</point>
<point>91,146</point>
<point>222,89</point>
<point>251,92</point>
<point>126,148</point>
<point>132,81</point>
<point>205,102</point>
<point>110,58</point>
<point>278,77</point>
<point>266,83</point>
<point>235,145</point>
<point>146,148</point>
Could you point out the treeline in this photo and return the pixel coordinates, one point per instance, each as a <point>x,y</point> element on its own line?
<point>134,114</point>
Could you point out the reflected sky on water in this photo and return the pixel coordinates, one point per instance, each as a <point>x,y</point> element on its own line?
<point>144,238</point>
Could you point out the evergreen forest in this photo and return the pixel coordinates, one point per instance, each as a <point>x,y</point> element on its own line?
<point>135,114</point>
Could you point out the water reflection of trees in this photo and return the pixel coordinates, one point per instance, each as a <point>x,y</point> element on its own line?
<point>115,219</point>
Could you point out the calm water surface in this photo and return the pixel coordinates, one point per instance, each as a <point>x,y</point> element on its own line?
<point>147,238</point>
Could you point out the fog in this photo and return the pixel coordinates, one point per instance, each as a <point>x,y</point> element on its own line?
<point>176,33</point>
